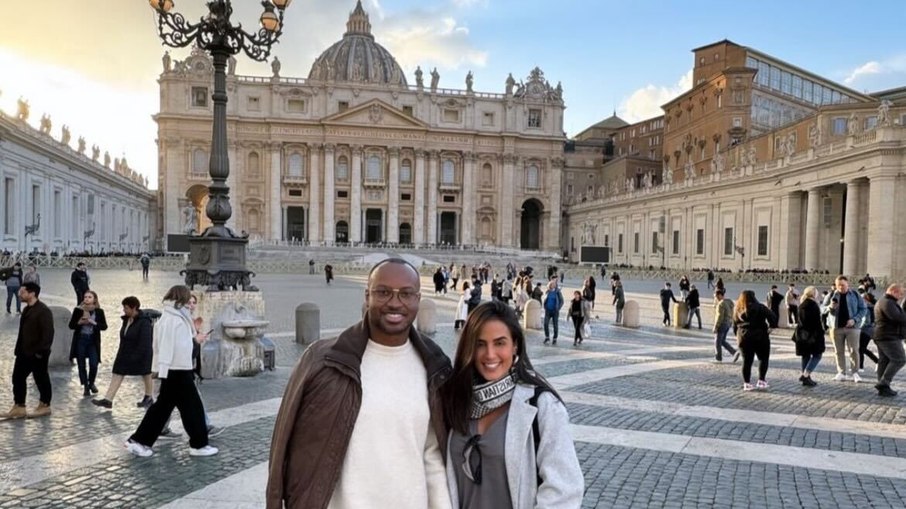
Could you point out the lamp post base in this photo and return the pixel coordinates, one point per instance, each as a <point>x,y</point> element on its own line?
<point>218,263</point>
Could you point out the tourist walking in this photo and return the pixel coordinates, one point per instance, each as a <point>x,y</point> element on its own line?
<point>173,335</point>
<point>792,305</point>
<point>846,312</point>
<point>684,287</point>
<point>510,443</point>
<point>809,335</point>
<point>454,275</point>
<point>538,292</point>
<point>462,307</point>
<point>693,306</point>
<point>521,299</point>
<point>710,279</point>
<point>506,290</point>
<point>666,296</point>
<point>438,279</point>
<point>773,301</point>
<point>13,283</point>
<point>723,320</point>
<point>890,329</point>
<point>577,315</point>
<point>87,322</point>
<point>553,301</point>
<point>588,291</point>
<point>719,285</point>
<point>31,275</point>
<point>145,261</point>
<point>361,423</point>
<point>328,273</point>
<point>752,321</point>
<point>867,331</point>
<point>32,352</point>
<point>619,302</point>
<point>80,281</point>
<point>133,358</point>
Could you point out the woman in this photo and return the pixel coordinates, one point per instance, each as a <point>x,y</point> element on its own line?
<point>87,322</point>
<point>684,286</point>
<point>809,335</point>
<point>13,283</point>
<point>31,275</point>
<point>462,307</point>
<point>454,275</point>
<point>751,321</point>
<point>577,315</point>
<point>493,398</point>
<point>868,329</point>
<point>439,280</point>
<point>135,352</point>
<point>588,293</point>
<point>619,301</point>
<point>173,362</point>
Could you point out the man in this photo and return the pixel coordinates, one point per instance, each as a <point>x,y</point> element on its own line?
<point>351,430</point>
<point>32,353</point>
<point>311,266</point>
<point>890,329</point>
<point>553,301</point>
<point>792,305</point>
<point>846,311</point>
<point>773,300</point>
<point>474,295</point>
<point>506,291</point>
<point>80,282</point>
<point>693,305</point>
<point>666,297</point>
<point>145,260</point>
<point>710,279</point>
<point>619,302</point>
<point>13,284</point>
<point>723,320</point>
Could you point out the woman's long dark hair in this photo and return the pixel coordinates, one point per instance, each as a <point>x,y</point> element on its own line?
<point>745,301</point>
<point>457,392</point>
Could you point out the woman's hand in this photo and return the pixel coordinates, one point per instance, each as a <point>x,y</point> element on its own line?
<point>201,337</point>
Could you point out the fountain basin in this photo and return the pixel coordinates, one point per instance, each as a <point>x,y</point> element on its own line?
<point>242,329</point>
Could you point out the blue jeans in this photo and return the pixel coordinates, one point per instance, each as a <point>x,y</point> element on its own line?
<point>810,362</point>
<point>720,340</point>
<point>11,293</point>
<point>85,350</point>
<point>551,316</point>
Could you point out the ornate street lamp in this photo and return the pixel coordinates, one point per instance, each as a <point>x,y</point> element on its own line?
<point>217,255</point>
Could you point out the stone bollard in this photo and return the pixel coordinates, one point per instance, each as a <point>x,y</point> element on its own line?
<point>783,318</point>
<point>308,323</point>
<point>532,315</point>
<point>680,313</point>
<point>426,321</point>
<point>62,337</point>
<point>631,314</point>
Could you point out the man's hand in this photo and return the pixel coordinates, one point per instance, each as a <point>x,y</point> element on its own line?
<point>850,324</point>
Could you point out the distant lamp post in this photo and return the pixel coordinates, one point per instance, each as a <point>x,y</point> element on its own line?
<point>217,255</point>
<point>87,235</point>
<point>32,229</point>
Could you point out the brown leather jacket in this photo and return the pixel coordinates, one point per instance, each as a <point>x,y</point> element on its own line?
<point>319,411</point>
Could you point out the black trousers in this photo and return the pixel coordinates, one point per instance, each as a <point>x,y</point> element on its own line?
<point>577,326</point>
<point>176,391</point>
<point>864,340</point>
<point>750,350</point>
<point>37,368</point>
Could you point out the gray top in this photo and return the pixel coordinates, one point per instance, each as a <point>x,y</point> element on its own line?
<point>489,454</point>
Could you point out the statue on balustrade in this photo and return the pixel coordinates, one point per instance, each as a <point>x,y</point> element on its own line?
<point>64,139</point>
<point>419,78</point>
<point>23,111</point>
<point>510,83</point>
<point>435,80</point>
<point>81,148</point>
<point>470,80</point>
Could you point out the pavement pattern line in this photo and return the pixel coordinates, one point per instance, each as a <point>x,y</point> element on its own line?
<point>33,469</point>
<point>847,462</point>
<point>242,490</point>
<point>573,355</point>
<point>742,416</point>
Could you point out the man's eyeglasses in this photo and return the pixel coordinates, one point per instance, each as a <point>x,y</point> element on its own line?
<point>383,294</point>
<point>472,473</point>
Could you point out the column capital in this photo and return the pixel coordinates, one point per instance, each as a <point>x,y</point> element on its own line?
<point>420,153</point>
<point>357,150</point>
<point>329,148</point>
<point>315,146</point>
<point>469,156</point>
<point>509,158</point>
<point>433,154</point>
<point>393,151</point>
<point>275,145</point>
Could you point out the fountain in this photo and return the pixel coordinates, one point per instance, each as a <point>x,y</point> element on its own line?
<point>236,346</point>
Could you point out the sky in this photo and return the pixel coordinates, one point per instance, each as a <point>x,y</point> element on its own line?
<point>93,66</point>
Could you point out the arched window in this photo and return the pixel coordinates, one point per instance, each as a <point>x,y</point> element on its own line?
<point>254,166</point>
<point>296,165</point>
<point>532,177</point>
<point>485,228</point>
<point>342,173</point>
<point>406,171</point>
<point>487,175</point>
<point>373,172</point>
<point>448,173</point>
<point>199,161</point>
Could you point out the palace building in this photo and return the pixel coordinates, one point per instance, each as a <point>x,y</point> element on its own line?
<point>356,153</point>
<point>762,165</point>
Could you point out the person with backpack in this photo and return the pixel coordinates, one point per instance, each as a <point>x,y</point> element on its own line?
<point>145,260</point>
<point>13,283</point>
<point>475,295</point>
<point>553,301</point>
<point>509,443</point>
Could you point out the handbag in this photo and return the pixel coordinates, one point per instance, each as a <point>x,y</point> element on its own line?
<point>586,329</point>
<point>801,335</point>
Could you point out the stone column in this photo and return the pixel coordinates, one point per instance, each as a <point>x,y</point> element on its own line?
<point>881,221</point>
<point>851,229</point>
<point>418,219</point>
<point>314,195</point>
<point>329,194</point>
<point>555,170</point>
<point>790,231</point>
<point>432,197</point>
<point>813,229</point>
<point>467,220</point>
<point>275,195</point>
<point>507,210</point>
<point>355,208</point>
<point>393,204</point>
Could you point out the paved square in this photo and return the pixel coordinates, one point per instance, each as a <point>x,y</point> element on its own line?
<point>656,423</point>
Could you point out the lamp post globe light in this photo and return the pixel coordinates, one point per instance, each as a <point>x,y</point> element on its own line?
<point>217,255</point>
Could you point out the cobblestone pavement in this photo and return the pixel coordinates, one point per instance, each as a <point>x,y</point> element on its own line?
<point>656,423</point>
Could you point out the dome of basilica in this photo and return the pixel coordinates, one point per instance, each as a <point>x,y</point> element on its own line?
<point>357,57</point>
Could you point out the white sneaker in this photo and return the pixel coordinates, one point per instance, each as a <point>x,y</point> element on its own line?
<point>203,451</point>
<point>138,449</point>
<point>856,378</point>
<point>840,377</point>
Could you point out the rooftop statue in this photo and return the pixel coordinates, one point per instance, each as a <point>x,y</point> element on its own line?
<point>22,113</point>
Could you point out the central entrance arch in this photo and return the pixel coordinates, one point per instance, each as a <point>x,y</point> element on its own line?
<point>530,225</point>
<point>374,226</point>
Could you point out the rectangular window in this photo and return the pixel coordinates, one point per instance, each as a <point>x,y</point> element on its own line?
<point>737,121</point>
<point>700,242</point>
<point>35,203</point>
<point>406,174</point>
<point>9,205</point>
<point>775,78</point>
<point>487,119</point>
<point>57,213</point>
<point>75,216</point>
<point>534,118</point>
<point>728,242</point>
<point>342,194</point>
<point>451,115</point>
<point>762,241</point>
<point>635,243</point>
<point>828,211</point>
<point>200,97</point>
<point>839,126</point>
<point>295,105</point>
<point>295,193</point>
<point>871,122</point>
<point>408,110</point>
<point>654,242</point>
<point>449,198</point>
<point>569,189</point>
<point>254,103</point>
<point>342,106</point>
<point>406,197</point>
<point>620,243</point>
<point>676,242</point>
<point>606,240</point>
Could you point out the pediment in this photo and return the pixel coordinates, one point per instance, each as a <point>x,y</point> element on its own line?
<point>374,113</point>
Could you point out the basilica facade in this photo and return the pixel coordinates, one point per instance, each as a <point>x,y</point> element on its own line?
<point>355,153</point>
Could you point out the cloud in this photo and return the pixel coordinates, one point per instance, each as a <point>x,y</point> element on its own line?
<point>646,102</point>
<point>465,4</point>
<point>430,38</point>
<point>872,67</point>
<point>862,74</point>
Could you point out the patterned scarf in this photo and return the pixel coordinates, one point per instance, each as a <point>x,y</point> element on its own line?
<point>492,395</point>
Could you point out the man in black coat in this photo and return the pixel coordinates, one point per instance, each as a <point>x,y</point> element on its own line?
<point>890,327</point>
<point>32,353</point>
<point>666,297</point>
<point>774,299</point>
<point>80,281</point>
